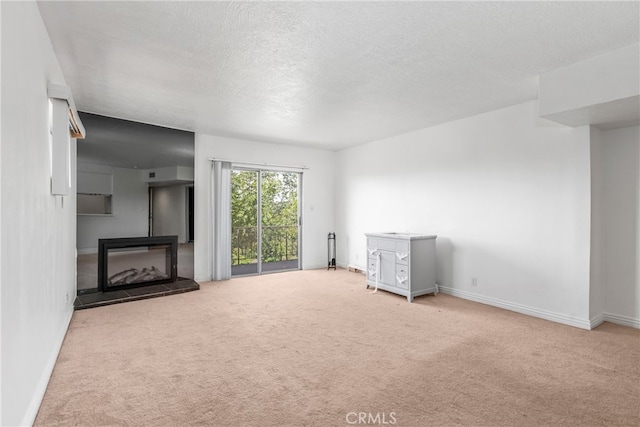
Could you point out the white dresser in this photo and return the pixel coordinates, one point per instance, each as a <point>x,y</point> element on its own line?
<point>402,263</point>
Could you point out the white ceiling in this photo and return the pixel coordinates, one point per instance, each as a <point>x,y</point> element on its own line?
<point>320,74</point>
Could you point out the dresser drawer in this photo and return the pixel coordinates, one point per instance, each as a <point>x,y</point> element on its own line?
<point>402,258</point>
<point>380,243</point>
<point>402,276</point>
<point>371,269</point>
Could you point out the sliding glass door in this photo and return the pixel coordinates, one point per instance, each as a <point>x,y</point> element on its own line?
<point>265,217</point>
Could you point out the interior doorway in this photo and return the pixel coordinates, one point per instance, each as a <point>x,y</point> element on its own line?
<point>190,214</point>
<point>265,218</point>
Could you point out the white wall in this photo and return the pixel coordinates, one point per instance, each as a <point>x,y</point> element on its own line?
<point>507,194</point>
<point>602,90</point>
<point>597,80</point>
<point>170,211</point>
<point>95,182</point>
<point>596,291</point>
<point>621,225</point>
<point>130,207</point>
<point>318,193</point>
<point>38,229</point>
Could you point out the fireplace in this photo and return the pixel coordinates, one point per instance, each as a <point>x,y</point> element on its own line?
<point>136,261</point>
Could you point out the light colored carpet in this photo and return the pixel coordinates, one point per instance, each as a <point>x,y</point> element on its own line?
<point>315,348</point>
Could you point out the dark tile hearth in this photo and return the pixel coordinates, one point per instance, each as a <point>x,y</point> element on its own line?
<point>98,299</point>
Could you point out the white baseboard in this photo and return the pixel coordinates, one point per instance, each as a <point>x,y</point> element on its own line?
<point>41,388</point>
<point>518,308</point>
<point>597,321</point>
<point>621,320</point>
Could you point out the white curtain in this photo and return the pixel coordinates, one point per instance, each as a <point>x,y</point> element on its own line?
<point>221,209</point>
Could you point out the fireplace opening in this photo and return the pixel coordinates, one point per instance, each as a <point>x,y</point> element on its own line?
<point>136,261</point>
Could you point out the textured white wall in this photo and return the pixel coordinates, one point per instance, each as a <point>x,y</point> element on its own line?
<point>130,207</point>
<point>318,193</point>
<point>621,216</point>
<point>38,229</point>
<point>169,211</point>
<point>508,196</point>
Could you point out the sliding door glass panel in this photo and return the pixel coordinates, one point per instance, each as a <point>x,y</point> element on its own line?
<point>244,222</point>
<point>279,221</point>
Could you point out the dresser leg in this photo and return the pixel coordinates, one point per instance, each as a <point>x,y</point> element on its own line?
<point>410,298</point>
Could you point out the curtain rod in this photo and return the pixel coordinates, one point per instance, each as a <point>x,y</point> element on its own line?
<point>238,162</point>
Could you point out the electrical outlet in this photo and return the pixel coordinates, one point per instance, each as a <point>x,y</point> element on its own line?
<point>474,281</point>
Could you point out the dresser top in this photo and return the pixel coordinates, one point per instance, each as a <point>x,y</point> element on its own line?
<point>404,236</point>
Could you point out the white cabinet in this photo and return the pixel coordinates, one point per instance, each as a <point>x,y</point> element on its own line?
<point>402,263</point>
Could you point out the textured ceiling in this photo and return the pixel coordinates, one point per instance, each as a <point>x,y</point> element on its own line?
<point>320,74</point>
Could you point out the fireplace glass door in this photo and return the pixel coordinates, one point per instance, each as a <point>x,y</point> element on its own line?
<point>136,261</point>
<point>138,265</point>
